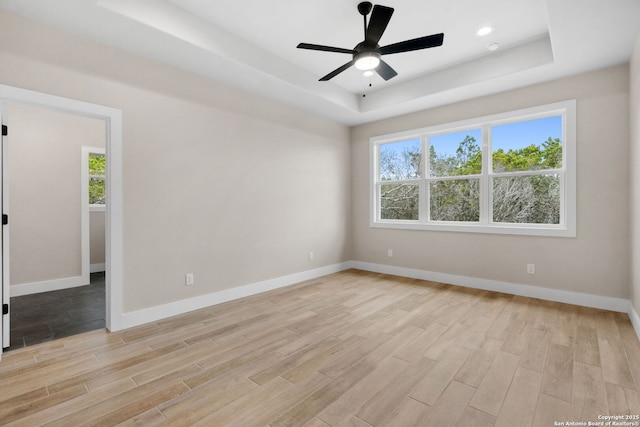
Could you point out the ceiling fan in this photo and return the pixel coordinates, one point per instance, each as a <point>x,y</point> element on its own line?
<point>367,54</point>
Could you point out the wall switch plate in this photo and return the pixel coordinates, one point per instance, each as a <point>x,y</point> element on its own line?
<point>310,256</point>
<point>188,279</point>
<point>390,253</point>
<point>531,269</point>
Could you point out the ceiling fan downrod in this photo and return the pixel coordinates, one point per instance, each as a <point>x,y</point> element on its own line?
<point>365,8</point>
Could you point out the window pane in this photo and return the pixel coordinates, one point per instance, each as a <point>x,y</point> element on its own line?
<point>97,164</point>
<point>527,199</point>
<point>455,200</point>
<point>399,201</point>
<point>455,154</point>
<point>400,160</point>
<point>96,191</point>
<point>529,145</point>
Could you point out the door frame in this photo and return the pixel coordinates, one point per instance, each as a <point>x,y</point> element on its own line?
<point>114,221</point>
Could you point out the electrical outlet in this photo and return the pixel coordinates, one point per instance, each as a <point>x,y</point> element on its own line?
<point>531,269</point>
<point>390,253</point>
<point>310,256</point>
<point>188,279</point>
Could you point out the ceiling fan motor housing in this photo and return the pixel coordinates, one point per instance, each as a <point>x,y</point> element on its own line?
<point>364,8</point>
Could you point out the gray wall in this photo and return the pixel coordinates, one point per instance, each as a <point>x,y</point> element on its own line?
<point>229,186</point>
<point>44,192</point>
<point>97,244</point>
<point>596,262</point>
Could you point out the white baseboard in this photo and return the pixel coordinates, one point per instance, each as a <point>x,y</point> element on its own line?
<point>635,319</point>
<point>47,285</point>
<point>156,313</point>
<point>97,268</point>
<point>568,297</point>
<point>153,314</point>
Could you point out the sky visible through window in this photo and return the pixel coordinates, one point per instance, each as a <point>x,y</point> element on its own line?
<point>448,143</point>
<point>523,134</point>
<point>511,136</point>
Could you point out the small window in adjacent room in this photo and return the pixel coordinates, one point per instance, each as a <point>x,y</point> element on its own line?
<point>96,162</point>
<point>510,173</point>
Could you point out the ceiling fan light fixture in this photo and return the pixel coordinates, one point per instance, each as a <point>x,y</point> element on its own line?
<point>366,61</point>
<point>368,73</point>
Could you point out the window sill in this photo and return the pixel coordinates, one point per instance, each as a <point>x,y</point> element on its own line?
<point>97,208</point>
<point>513,229</point>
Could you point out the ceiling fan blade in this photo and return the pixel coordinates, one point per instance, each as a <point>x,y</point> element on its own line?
<point>385,71</point>
<point>324,48</point>
<point>337,71</point>
<point>380,18</point>
<point>433,40</point>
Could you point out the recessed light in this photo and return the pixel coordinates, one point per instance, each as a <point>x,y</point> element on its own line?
<point>484,31</point>
<point>493,46</point>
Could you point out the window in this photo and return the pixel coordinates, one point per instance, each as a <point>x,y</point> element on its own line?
<point>95,162</point>
<point>509,173</point>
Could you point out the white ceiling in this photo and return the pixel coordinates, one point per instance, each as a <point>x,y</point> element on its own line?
<point>251,45</point>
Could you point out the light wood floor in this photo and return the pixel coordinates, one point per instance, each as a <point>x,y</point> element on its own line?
<point>350,349</point>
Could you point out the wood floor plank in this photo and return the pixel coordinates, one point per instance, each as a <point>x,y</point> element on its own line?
<point>633,401</point>
<point>472,417</point>
<point>504,321</point>
<point>520,402</point>
<point>16,410</point>
<point>208,396</point>
<point>431,386</point>
<point>378,408</point>
<point>409,413</point>
<point>264,412</point>
<point>155,392</point>
<point>493,389</point>
<point>557,379</point>
<point>100,371</point>
<point>477,365</point>
<point>419,345</point>
<point>550,411</point>
<point>151,418</point>
<point>353,349</point>
<point>616,399</point>
<point>77,404</point>
<point>255,397</point>
<point>306,410</point>
<point>316,422</point>
<point>564,332</point>
<point>343,409</point>
<point>285,365</point>
<point>614,361</point>
<point>587,350</point>
<point>321,360</point>
<point>449,407</point>
<point>518,337</point>
<point>589,392</point>
<point>534,355</point>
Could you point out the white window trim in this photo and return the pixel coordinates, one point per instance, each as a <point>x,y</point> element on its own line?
<point>567,226</point>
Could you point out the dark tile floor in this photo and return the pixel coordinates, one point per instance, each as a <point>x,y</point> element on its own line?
<point>47,316</point>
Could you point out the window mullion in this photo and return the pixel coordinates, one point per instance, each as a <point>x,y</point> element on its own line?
<point>424,187</point>
<point>485,181</point>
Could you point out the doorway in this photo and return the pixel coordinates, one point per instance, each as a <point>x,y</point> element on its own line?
<point>111,119</point>
<point>56,168</point>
